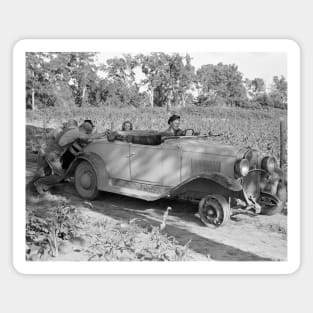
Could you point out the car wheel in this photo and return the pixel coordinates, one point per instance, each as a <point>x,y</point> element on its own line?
<point>270,205</point>
<point>86,181</point>
<point>214,210</point>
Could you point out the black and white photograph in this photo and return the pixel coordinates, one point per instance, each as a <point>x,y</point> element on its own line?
<point>156,156</point>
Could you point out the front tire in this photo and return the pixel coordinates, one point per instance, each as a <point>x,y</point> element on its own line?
<point>214,210</point>
<point>86,181</point>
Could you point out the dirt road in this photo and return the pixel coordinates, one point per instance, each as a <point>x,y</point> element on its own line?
<point>244,238</point>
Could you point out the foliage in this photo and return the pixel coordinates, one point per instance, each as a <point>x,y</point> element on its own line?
<point>106,240</point>
<point>278,93</point>
<point>43,234</point>
<point>115,93</point>
<point>73,79</point>
<point>128,241</point>
<point>168,77</point>
<point>255,86</point>
<point>224,82</point>
<point>256,128</point>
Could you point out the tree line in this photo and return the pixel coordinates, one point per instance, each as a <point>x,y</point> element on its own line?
<point>66,80</point>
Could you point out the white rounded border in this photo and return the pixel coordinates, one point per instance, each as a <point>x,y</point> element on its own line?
<point>148,45</point>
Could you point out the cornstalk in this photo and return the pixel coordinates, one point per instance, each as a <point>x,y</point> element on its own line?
<point>45,122</point>
<point>282,127</point>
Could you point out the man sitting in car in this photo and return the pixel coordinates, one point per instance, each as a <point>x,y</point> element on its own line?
<point>173,129</point>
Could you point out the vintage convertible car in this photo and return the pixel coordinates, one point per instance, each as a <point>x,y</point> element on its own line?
<point>224,179</point>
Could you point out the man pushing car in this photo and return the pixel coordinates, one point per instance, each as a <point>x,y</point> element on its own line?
<point>70,140</point>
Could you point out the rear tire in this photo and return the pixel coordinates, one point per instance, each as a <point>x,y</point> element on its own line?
<point>214,210</point>
<point>86,181</point>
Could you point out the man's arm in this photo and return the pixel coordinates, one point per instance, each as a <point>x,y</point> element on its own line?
<point>96,135</point>
<point>75,134</point>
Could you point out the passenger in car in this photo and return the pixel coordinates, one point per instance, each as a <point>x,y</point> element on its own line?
<point>173,129</point>
<point>127,125</point>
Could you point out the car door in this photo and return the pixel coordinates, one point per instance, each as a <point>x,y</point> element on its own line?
<point>115,156</point>
<point>171,165</point>
<point>146,163</point>
<point>155,164</point>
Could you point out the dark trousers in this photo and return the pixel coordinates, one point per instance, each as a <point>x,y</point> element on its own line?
<point>67,159</point>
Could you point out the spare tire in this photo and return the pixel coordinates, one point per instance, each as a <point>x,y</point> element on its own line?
<point>153,139</point>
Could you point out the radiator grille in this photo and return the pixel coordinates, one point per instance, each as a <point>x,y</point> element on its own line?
<point>251,183</point>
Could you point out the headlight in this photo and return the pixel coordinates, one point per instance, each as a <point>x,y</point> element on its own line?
<point>268,164</point>
<point>242,167</point>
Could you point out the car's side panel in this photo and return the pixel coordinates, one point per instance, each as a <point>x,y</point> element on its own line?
<point>115,156</point>
<point>146,163</point>
<point>171,166</point>
<point>155,164</point>
<point>194,164</point>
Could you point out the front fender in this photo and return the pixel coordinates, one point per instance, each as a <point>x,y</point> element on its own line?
<point>204,184</point>
<point>96,162</point>
<point>275,184</point>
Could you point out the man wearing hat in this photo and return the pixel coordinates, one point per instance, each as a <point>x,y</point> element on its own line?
<point>173,130</point>
<point>42,166</point>
<point>67,140</point>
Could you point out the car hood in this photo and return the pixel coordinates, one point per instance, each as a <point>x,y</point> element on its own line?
<point>206,145</point>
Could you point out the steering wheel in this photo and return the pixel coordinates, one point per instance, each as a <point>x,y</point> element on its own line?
<point>189,130</point>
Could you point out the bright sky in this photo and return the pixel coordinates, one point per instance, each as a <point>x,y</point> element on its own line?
<point>250,64</point>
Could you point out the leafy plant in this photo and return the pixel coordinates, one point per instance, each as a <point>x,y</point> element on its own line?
<point>43,234</point>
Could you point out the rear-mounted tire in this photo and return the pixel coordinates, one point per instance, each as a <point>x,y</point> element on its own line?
<point>214,210</point>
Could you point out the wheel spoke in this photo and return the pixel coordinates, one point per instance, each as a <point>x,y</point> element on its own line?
<point>214,210</point>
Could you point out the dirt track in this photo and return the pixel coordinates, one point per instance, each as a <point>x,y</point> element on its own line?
<point>245,238</point>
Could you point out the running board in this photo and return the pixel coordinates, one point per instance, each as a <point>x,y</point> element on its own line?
<point>135,193</point>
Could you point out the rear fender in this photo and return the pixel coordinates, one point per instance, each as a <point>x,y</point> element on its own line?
<point>96,162</point>
<point>201,185</point>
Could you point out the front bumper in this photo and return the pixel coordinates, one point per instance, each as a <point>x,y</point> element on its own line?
<point>258,181</point>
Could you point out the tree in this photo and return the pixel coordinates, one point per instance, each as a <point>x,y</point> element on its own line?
<point>83,74</point>
<point>121,81</point>
<point>37,78</point>
<point>278,92</point>
<point>255,86</point>
<point>59,78</point>
<point>222,81</point>
<point>258,98</point>
<point>152,67</point>
<point>122,69</point>
<point>187,78</point>
<point>167,77</point>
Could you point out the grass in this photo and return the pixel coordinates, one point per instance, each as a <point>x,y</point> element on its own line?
<point>51,229</point>
<point>243,127</point>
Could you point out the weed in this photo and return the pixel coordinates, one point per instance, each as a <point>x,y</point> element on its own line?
<point>43,234</point>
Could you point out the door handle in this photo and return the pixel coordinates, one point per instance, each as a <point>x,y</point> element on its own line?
<point>130,155</point>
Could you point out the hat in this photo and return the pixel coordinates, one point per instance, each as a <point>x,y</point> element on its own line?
<point>87,126</point>
<point>90,122</point>
<point>173,118</point>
